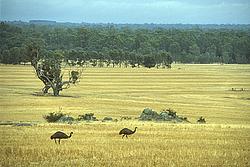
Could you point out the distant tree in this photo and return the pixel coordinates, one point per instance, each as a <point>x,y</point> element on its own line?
<point>164,42</point>
<point>5,58</point>
<point>132,58</point>
<point>139,59</point>
<point>149,61</point>
<point>115,44</point>
<point>93,62</point>
<point>15,55</point>
<point>241,50</point>
<point>82,37</point>
<point>175,49</point>
<point>115,56</point>
<point>194,50</point>
<point>163,59</point>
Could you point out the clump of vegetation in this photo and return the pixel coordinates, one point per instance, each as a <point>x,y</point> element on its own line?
<point>126,118</point>
<point>201,120</point>
<point>87,117</point>
<point>148,115</point>
<point>238,89</point>
<point>53,116</point>
<point>66,118</point>
<point>107,119</point>
<point>149,61</point>
<point>146,47</point>
<point>166,115</point>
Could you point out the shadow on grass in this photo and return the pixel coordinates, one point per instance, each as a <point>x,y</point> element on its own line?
<point>16,123</point>
<point>40,94</point>
<point>241,98</point>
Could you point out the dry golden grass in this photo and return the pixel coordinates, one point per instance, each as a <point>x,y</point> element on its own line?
<point>193,91</point>
<point>98,144</point>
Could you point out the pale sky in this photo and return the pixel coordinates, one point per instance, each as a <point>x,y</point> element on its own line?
<point>129,11</point>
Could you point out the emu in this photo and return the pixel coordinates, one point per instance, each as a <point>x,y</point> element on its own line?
<point>60,135</point>
<point>126,132</point>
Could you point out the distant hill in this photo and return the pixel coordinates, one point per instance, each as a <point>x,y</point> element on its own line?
<point>135,26</point>
<point>44,22</point>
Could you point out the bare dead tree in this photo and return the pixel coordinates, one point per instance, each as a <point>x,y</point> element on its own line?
<point>49,71</point>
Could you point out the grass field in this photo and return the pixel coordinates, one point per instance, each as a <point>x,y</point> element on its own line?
<point>191,90</point>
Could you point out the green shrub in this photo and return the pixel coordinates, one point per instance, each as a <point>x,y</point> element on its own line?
<point>53,116</point>
<point>87,117</point>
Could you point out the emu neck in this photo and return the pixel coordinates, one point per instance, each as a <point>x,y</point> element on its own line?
<point>134,130</point>
<point>70,135</point>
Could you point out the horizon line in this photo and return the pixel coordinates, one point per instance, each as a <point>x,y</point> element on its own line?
<point>56,21</point>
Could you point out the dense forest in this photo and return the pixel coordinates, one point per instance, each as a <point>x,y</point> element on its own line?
<point>110,45</point>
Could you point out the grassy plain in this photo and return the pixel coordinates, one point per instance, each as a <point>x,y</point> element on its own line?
<point>191,90</point>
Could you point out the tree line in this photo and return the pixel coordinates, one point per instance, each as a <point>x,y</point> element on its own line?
<point>112,46</point>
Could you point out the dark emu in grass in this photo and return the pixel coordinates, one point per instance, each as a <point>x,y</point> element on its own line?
<point>60,135</point>
<point>126,132</point>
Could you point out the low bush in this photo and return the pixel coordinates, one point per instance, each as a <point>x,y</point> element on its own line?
<point>87,117</point>
<point>53,116</point>
<point>166,115</point>
<point>107,119</point>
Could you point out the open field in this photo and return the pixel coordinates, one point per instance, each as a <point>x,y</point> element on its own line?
<point>191,90</point>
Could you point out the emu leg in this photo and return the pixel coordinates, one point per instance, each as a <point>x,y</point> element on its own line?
<point>126,136</point>
<point>59,141</point>
<point>55,141</point>
<point>123,135</point>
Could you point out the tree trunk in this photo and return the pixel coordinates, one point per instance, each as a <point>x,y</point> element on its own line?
<point>46,89</point>
<point>56,91</point>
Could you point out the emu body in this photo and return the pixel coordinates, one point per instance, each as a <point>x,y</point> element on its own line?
<point>60,135</point>
<point>126,132</point>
